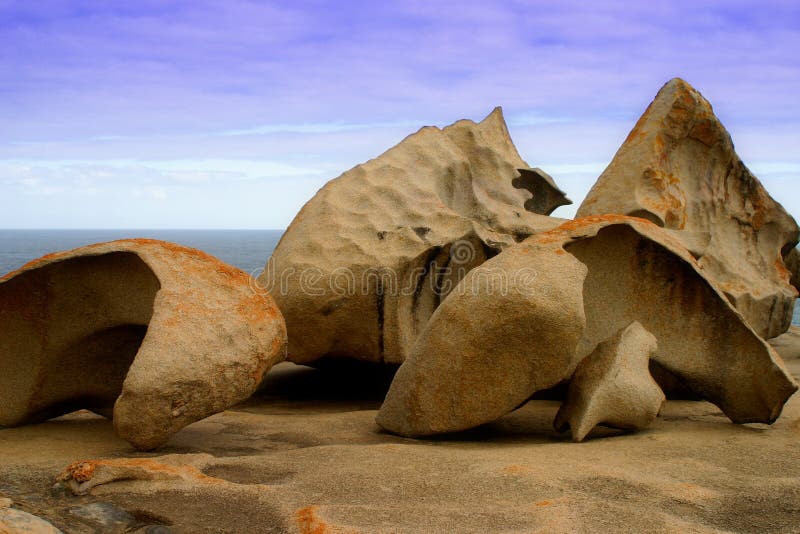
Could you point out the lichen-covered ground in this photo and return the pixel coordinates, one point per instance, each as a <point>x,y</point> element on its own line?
<point>306,456</point>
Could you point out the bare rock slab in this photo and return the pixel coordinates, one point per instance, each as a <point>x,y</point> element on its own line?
<point>678,168</point>
<point>365,263</point>
<point>613,386</point>
<point>153,334</point>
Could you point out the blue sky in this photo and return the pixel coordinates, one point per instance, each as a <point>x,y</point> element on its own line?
<point>231,114</point>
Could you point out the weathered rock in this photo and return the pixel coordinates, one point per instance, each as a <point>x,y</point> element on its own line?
<point>80,478</point>
<point>509,329</point>
<point>788,344</point>
<point>678,168</point>
<point>792,261</point>
<point>158,334</point>
<point>612,386</point>
<point>368,259</point>
<point>13,521</point>
<point>489,347</point>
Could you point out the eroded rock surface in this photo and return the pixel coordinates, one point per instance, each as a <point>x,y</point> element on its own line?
<point>678,168</point>
<point>792,261</point>
<point>369,258</point>
<point>154,334</point>
<point>613,386</point>
<point>487,349</point>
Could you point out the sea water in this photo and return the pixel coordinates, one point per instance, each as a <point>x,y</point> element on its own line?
<point>246,249</point>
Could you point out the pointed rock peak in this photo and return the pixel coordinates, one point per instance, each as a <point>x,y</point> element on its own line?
<point>678,84</point>
<point>495,123</point>
<point>678,168</point>
<point>678,88</point>
<point>496,116</point>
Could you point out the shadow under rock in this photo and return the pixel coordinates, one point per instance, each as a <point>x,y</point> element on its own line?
<point>333,386</point>
<point>343,385</point>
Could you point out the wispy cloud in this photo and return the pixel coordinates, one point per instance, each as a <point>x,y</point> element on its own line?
<point>125,86</point>
<point>318,128</point>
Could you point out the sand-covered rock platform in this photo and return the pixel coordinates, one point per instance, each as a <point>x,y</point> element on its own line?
<point>308,457</point>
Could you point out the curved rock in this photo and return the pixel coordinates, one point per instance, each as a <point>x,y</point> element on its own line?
<point>678,169</point>
<point>509,329</point>
<point>368,259</point>
<point>612,386</point>
<point>155,334</point>
<point>486,351</point>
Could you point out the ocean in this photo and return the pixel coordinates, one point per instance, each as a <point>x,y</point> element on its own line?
<point>246,249</point>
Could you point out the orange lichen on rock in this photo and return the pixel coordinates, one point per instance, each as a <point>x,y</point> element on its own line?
<point>81,477</point>
<point>308,522</point>
<point>80,471</point>
<point>783,272</point>
<point>574,227</point>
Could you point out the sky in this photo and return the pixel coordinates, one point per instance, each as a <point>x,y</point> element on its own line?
<point>232,114</point>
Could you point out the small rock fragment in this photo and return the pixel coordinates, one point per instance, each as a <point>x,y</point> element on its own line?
<point>613,386</point>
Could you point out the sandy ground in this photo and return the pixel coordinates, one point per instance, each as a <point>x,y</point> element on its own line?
<point>306,456</point>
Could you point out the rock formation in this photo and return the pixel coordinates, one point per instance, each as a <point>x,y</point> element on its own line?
<point>612,386</point>
<point>502,334</point>
<point>792,261</point>
<point>81,477</point>
<point>155,334</point>
<point>366,262</point>
<point>678,169</point>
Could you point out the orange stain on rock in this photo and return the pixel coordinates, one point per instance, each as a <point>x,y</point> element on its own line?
<point>308,522</point>
<point>783,272</point>
<point>84,470</point>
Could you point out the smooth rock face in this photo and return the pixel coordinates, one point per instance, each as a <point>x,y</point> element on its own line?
<point>509,329</point>
<point>613,386</point>
<point>678,168</point>
<point>154,334</point>
<point>13,521</point>
<point>368,259</point>
<point>485,351</point>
